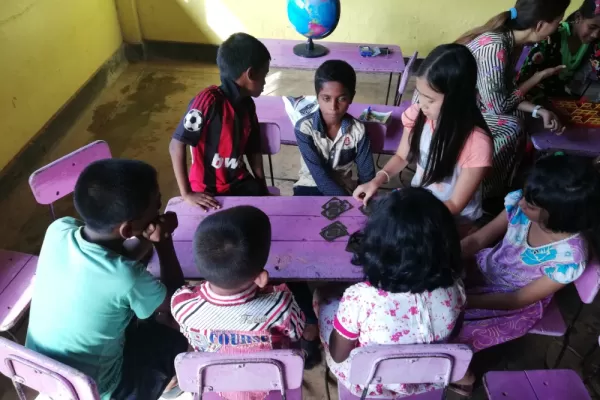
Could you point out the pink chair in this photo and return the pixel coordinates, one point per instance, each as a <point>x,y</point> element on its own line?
<point>405,77</point>
<point>278,372</point>
<point>552,324</point>
<point>16,286</point>
<point>535,385</point>
<point>57,179</point>
<point>417,363</point>
<point>271,144</point>
<point>51,378</point>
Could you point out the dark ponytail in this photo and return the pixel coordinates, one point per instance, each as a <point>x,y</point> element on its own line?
<point>529,14</point>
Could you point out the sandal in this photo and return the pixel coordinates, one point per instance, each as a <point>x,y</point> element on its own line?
<point>312,352</point>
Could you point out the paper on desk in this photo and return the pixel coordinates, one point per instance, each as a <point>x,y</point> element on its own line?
<point>299,107</point>
<point>369,115</point>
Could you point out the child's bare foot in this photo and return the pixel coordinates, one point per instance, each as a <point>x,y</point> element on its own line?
<point>311,346</point>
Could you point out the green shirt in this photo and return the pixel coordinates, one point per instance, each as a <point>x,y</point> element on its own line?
<point>84,297</point>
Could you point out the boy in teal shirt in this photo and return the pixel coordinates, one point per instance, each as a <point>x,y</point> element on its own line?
<point>90,287</point>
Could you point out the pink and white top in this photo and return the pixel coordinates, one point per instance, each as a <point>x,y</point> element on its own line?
<point>476,153</point>
<point>374,316</point>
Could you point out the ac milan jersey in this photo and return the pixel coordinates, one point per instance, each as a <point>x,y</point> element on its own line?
<point>220,126</point>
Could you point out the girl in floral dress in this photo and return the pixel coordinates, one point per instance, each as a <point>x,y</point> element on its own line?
<point>547,228</point>
<point>575,45</point>
<point>496,47</point>
<point>410,253</point>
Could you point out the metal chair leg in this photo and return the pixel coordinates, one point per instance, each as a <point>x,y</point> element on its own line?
<point>271,170</point>
<point>566,337</point>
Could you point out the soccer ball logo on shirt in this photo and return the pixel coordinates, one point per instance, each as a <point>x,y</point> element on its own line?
<point>193,120</point>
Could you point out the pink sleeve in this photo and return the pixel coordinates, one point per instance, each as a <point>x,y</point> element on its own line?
<point>410,116</point>
<point>346,319</point>
<point>478,151</point>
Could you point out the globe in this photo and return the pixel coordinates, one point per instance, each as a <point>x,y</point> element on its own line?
<point>315,19</point>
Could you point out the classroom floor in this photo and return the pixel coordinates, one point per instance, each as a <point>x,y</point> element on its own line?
<point>136,115</point>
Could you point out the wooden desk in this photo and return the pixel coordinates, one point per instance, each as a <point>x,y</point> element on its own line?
<point>385,139</point>
<point>282,56</point>
<point>16,286</point>
<point>535,385</point>
<point>298,252</point>
<point>575,140</point>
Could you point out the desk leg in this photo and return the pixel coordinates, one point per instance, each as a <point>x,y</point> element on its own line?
<point>387,96</point>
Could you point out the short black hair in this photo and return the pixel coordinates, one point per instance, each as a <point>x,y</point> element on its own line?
<point>112,191</point>
<point>231,247</point>
<point>238,53</point>
<point>336,71</point>
<point>410,243</point>
<point>567,187</point>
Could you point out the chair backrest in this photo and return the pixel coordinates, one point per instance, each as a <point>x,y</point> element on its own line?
<point>588,284</point>
<point>43,374</point>
<point>416,363</point>
<point>405,77</point>
<point>270,138</point>
<point>58,178</point>
<point>279,370</point>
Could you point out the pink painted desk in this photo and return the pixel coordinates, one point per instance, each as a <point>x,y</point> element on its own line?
<point>385,139</point>
<point>575,140</point>
<point>535,385</point>
<point>298,252</point>
<point>16,285</point>
<point>282,56</point>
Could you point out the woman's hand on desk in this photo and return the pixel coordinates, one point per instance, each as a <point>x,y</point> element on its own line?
<point>551,121</point>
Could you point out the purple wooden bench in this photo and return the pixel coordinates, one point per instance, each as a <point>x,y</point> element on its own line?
<point>552,323</point>
<point>282,56</point>
<point>298,252</point>
<point>278,372</point>
<point>16,285</point>
<point>57,179</point>
<point>535,385</point>
<point>416,363</point>
<point>51,378</point>
<point>385,139</point>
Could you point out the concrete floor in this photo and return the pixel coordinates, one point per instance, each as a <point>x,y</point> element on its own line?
<point>136,115</point>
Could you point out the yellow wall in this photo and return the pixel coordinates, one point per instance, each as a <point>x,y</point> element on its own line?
<point>412,24</point>
<point>48,50</point>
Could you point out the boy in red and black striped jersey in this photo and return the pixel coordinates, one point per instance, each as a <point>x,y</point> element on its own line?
<point>221,127</point>
<point>234,310</point>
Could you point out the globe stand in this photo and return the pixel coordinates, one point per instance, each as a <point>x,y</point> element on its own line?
<point>310,50</point>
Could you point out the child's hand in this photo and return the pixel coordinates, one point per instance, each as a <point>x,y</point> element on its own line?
<point>161,228</point>
<point>202,200</point>
<point>365,191</point>
<point>551,121</point>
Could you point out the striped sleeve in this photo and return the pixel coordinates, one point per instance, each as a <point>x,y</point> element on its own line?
<point>364,158</point>
<point>318,168</point>
<point>284,314</point>
<point>492,61</point>
<point>198,116</point>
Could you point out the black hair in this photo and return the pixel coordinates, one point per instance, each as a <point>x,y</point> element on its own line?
<point>336,71</point>
<point>238,53</point>
<point>231,247</point>
<point>529,14</point>
<point>410,243</point>
<point>112,191</point>
<point>449,69</point>
<point>586,11</point>
<point>567,188</point>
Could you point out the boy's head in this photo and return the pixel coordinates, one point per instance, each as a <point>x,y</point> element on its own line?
<point>245,60</point>
<point>335,84</point>
<point>231,247</point>
<point>119,197</point>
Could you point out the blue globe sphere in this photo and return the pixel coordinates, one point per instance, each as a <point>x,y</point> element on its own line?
<point>315,19</point>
